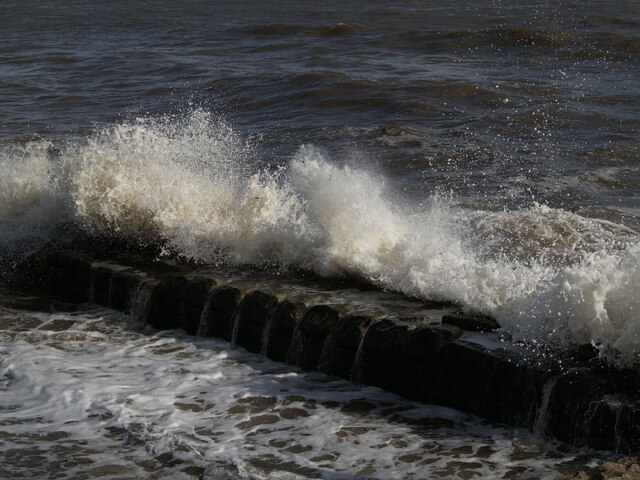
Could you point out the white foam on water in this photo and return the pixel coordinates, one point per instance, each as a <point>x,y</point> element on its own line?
<point>84,396</point>
<point>548,275</point>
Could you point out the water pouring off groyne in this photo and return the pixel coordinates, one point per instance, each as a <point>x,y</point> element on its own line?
<point>412,348</point>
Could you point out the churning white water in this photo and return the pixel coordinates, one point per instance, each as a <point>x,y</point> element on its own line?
<point>548,275</point>
<point>90,394</point>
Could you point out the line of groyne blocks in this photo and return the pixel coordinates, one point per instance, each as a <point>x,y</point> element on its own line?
<point>580,401</point>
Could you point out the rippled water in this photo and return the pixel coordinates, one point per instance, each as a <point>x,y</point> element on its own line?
<point>482,153</point>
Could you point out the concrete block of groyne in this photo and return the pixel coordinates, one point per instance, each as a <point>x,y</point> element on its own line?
<point>402,355</point>
<point>471,323</point>
<point>223,302</point>
<point>283,323</point>
<point>100,281</point>
<point>251,318</point>
<point>166,302</point>
<point>495,384</point>
<point>340,348</point>
<point>311,332</point>
<point>195,296</point>
<point>569,404</point>
<point>121,287</point>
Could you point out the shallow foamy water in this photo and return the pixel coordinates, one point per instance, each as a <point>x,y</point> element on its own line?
<point>92,394</point>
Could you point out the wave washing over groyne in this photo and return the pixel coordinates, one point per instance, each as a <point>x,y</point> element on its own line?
<point>548,276</point>
<point>275,240</point>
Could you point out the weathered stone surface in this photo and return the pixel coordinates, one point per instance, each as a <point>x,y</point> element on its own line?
<point>311,332</point>
<point>613,423</point>
<point>341,346</point>
<point>494,384</point>
<point>570,399</point>
<point>63,273</point>
<point>166,302</point>
<point>252,315</point>
<point>68,284</point>
<point>72,261</point>
<point>283,323</point>
<point>402,355</point>
<point>100,280</point>
<point>196,294</point>
<point>471,323</point>
<point>122,286</point>
<point>222,304</point>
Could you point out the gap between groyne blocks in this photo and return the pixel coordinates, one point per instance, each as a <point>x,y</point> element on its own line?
<point>581,401</point>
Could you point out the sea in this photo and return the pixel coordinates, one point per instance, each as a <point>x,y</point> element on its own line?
<point>483,153</point>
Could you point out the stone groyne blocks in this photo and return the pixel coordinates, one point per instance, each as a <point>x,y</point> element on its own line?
<point>311,332</point>
<point>402,355</point>
<point>283,322</point>
<point>580,401</point>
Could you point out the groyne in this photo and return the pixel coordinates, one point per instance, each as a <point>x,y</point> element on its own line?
<point>444,358</point>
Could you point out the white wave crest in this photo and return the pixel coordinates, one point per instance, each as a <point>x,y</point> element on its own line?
<point>547,275</point>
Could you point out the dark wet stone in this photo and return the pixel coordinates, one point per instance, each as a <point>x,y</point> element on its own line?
<point>252,314</point>
<point>196,294</point>
<point>471,323</point>
<point>570,404</point>
<point>311,332</point>
<point>122,286</point>
<point>402,355</point>
<point>341,346</point>
<point>100,280</point>
<point>283,323</point>
<point>495,384</point>
<point>583,354</point>
<point>613,423</point>
<point>223,303</point>
<point>166,302</point>
<point>66,274</point>
<point>72,261</point>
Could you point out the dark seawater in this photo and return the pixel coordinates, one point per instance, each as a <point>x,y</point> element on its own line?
<point>483,153</point>
<point>500,102</point>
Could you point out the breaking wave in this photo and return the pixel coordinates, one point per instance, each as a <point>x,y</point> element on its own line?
<point>192,184</point>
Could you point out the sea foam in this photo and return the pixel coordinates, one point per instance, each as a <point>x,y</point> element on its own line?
<point>548,275</point>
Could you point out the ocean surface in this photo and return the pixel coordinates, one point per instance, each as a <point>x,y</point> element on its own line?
<point>485,153</point>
